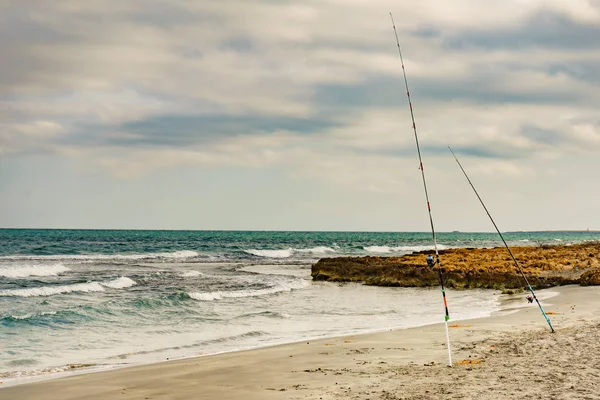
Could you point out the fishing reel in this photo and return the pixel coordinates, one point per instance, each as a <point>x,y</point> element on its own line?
<point>430,261</point>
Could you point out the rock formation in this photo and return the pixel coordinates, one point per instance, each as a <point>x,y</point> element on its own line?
<point>544,266</point>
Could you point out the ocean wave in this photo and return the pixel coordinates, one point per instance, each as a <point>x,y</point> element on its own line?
<point>377,249</point>
<point>389,249</point>
<point>203,343</point>
<point>41,371</point>
<point>119,283</point>
<point>316,250</point>
<point>279,287</point>
<point>271,253</point>
<point>242,336</point>
<point>268,314</point>
<point>25,318</point>
<point>191,274</point>
<point>20,317</point>
<point>52,290</point>
<point>24,271</point>
<point>181,254</point>
<point>285,253</point>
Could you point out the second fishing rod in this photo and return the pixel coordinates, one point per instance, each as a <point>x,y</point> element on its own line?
<point>505,244</point>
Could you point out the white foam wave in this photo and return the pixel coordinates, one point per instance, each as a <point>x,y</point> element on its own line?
<point>285,253</point>
<point>120,283</point>
<point>280,287</point>
<point>21,316</point>
<point>317,250</point>
<point>88,287</point>
<point>24,271</point>
<point>405,249</point>
<point>181,254</point>
<point>52,290</point>
<point>26,316</point>
<point>271,253</point>
<point>377,249</point>
<point>191,274</point>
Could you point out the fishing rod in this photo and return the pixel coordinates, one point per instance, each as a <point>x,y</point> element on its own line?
<point>437,254</point>
<point>506,245</point>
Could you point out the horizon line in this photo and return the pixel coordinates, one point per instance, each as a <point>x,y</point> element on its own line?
<point>293,230</point>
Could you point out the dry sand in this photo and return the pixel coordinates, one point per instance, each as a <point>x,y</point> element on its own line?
<point>507,356</point>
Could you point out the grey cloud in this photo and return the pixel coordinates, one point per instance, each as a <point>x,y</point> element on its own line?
<point>490,150</point>
<point>545,30</point>
<point>425,32</point>
<point>239,44</point>
<point>160,14</point>
<point>543,136</point>
<point>186,130</point>
<point>482,86</point>
<point>374,92</point>
<point>539,140</point>
<point>19,30</point>
<point>484,150</point>
<point>20,25</point>
<point>584,70</point>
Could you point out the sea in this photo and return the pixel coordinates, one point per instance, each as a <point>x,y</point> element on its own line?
<point>87,300</point>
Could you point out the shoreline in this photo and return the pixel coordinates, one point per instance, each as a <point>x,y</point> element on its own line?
<point>253,373</point>
<point>83,368</point>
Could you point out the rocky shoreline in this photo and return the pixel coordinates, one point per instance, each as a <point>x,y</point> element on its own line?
<point>545,266</point>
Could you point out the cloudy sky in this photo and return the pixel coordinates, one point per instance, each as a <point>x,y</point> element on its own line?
<point>292,115</point>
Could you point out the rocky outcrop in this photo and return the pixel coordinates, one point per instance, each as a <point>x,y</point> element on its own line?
<point>544,266</point>
<point>590,277</point>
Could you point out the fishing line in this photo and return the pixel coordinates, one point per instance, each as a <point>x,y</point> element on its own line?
<point>505,245</point>
<point>437,255</point>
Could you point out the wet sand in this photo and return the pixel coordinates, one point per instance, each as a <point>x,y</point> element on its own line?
<point>509,355</point>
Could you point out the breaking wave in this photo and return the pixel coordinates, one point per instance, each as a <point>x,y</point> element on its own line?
<point>289,252</point>
<point>177,255</point>
<point>389,249</point>
<point>280,287</point>
<point>317,250</point>
<point>119,283</point>
<point>191,274</point>
<point>271,253</point>
<point>24,271</point>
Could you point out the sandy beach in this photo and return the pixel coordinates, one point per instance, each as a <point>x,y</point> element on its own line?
<point>509,355</point>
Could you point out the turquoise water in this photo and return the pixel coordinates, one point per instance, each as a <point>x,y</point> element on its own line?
<point>114,298</point>
<point>235,245</point>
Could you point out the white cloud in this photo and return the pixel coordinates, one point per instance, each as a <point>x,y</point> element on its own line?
<point>31,135</point>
